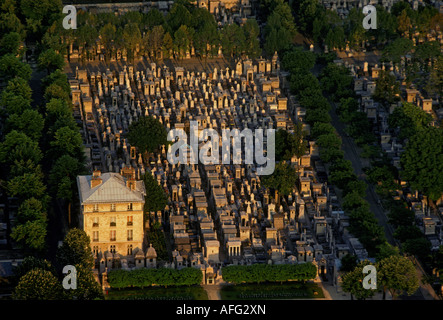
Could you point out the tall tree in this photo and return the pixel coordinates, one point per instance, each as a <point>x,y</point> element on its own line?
<point>397,274</point>
<point>156,199</point>
<point>38,284</point>
<point>75,250</point>
<point>147,134</point>
<point>422,162</point>
<point>353,282</point>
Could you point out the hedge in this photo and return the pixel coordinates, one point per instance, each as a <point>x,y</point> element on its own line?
<point>145,277</point>
<point>257,273</point>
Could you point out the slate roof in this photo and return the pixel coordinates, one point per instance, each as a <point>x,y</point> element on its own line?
<point>112,189</point>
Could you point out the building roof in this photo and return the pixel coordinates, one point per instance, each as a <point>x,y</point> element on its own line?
<point>112,189</point>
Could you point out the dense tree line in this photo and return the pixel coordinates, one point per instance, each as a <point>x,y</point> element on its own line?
<point>258,273</point>
<point>144,277</point>
<point>154,35</point>
<point>39,279</point>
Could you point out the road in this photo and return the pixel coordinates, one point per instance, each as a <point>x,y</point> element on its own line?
<point>351,153</point>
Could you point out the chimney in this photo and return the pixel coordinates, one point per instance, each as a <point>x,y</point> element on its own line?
<point>130,183</point>
<point>96,179</point>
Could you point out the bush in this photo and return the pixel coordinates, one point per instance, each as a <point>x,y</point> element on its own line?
<point>147,277</point>
<point>257,273</point>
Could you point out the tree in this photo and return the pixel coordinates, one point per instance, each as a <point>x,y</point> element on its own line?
<point>420,247</point>
<point>397,274</point>
<point>290,144</point>
<point>283,179</point>
<point>232,40</point>
<point>38,284</point>
<point>321,128</point>
<point>183,40</point>
<point>298,60</point>
<point>147,134</point>
<point>30,263</point>
<point>87,287</point>
<point>55,91</point>
<point>156,199</point>
<point>50,61</point>
<point>18,146</point>
<point>400,216</point>
<point>75,250</point>
<point>16,87</point>
<point>277,37</point>
<point>434,84</point>
<point>348,263</point>
<point>10,43</point>
<point>396,49</point>
<point>107,34</point>
<point>31,209</point>
<point>387,88</point>
<point>26,186</point>
<point>422,162</point>
<point>30,235</point>
<point>154,18</point>
<point>11,67</point>
<point>131,39</point>
<point>406,232</point>
<point>154,41</point>
<point>30,122</point>
<point>252,42</point>
<point>352,282</point>
<point>67,141</point>
<point>178,16</point>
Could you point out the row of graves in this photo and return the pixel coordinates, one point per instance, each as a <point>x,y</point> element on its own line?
<point>217,214</point>
<point>365,77</point>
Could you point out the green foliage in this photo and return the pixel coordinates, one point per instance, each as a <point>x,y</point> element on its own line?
<point>29,263</point>
<point>147,134</point>
<point>156,199</point>
<point>29,122</point>
<point>397,274</point>
<point>11,67</point>
<point>352,282</point>
<point>145,277</point>
<point>408,118</point>
<point>76,249</point>
<point>30,235</point>
<point>348,263</point>
<point>50,60</point>
<point>337,81</point>
<point>387,89</point>
<point>38,284</point>
<point>28,185</point>
<point>290,144</point>
<point>282,179</point>
<point>257,273</point>
<point>87,287</point>
<point>298,60</point>
<point>10,43</point>
<point>422,162</point>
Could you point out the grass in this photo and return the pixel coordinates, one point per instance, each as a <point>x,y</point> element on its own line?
<point>269,291</point>
<point>158,293</point>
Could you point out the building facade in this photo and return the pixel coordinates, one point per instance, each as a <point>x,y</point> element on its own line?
<point>112,213</point>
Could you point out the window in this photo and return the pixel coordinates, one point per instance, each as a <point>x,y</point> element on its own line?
<point>129,220</point>
<point>95,250</point>
<point>95,222</point>
<point>95,209</point>
<point>112,235</point>
<point>130,207</point>
<point>112,248</point>
<point>94,235</point>
<point>129,235</point>
<point>112,206</point>
<point>113,222</point>
<point>130,249</point>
